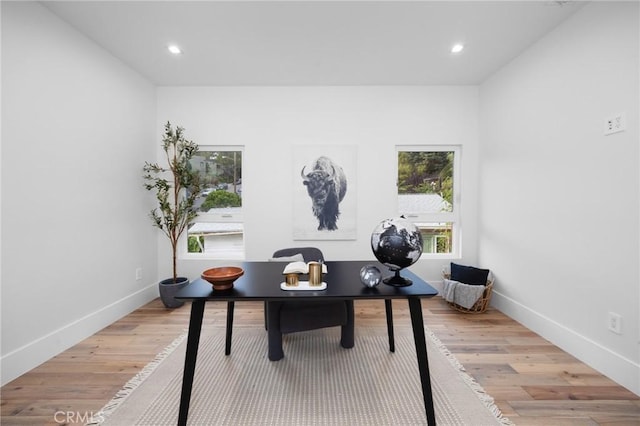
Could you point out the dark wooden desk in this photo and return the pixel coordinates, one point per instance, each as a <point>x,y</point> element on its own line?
<point>261,281</point>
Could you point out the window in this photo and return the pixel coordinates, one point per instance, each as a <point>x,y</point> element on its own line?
<point>218,231</point>
<point>428,195</point>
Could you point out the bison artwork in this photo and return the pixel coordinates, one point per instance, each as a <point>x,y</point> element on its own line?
<point>326,184</point>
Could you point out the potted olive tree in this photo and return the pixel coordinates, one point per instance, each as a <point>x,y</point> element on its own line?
<point>176,188</point>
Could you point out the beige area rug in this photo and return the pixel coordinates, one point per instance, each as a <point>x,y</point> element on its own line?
<point>317,383</point>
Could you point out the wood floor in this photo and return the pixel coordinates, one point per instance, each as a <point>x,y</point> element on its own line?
<point>532,381</point>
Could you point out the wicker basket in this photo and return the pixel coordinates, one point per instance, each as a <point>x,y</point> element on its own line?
<point>481,305</point>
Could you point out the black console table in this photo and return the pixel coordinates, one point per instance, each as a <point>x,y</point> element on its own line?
<point>261,281</point>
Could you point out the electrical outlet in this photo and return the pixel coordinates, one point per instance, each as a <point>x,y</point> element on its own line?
<point>615,323</point>
<point>138,274</point>
<point>615,123</point>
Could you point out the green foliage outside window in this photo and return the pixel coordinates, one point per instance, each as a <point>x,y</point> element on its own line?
<point>195,244</point>
<point>221,198</point>
<point>426,172</point>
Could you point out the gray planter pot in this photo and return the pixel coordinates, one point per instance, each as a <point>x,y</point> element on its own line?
<point>168,289</point>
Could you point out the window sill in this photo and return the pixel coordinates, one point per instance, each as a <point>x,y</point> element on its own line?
<point>214,255</point>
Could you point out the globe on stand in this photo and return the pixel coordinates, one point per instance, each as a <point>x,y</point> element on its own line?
<point>397,244</point>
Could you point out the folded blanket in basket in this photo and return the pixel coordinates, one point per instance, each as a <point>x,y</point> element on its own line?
<point>462,294</point>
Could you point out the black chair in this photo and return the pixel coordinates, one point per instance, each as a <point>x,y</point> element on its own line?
<point>284,317</point>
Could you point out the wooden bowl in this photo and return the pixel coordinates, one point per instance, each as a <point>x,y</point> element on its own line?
<point>222,278</point>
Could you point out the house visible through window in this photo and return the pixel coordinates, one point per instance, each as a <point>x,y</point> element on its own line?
<point>218,231</point>
<point>428,195</point>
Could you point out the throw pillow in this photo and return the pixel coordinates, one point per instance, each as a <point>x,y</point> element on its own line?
<point>469,274</point>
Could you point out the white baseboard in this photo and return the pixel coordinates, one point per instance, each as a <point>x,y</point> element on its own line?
<point>29,356</point>
<point>616,367</point>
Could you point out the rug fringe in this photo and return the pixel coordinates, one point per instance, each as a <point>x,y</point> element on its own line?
<point>134,382</point>
<point>486,399</point>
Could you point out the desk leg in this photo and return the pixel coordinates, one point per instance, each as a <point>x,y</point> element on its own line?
<point>227,347</point>
<point>389,311</point>
<point>415,308</point>
<point>193,340</point>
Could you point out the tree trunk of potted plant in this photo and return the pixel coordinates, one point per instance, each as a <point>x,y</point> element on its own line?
<point>176,195</point>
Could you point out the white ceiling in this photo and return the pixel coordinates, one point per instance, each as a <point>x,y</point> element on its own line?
<point>314,42</point>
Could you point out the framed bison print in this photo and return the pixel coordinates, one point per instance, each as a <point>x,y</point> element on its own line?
<point>324,192</point>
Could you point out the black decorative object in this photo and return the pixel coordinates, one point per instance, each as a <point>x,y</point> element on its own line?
<point>396,243</point>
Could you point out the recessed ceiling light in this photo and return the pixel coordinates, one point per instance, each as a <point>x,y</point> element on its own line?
<point>174,49</point>
<point>457,48</point>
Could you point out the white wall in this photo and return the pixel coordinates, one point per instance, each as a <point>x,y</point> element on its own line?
<point>77,126</point>
<point>270,121</point>
<point>558,199</point>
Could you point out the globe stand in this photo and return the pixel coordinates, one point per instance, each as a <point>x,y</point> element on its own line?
<point>397,280</point>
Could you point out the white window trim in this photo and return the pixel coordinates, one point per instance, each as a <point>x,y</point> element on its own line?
<point>454,216</point>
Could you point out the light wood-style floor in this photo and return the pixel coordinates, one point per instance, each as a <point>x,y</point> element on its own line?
<point>532,381</point>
